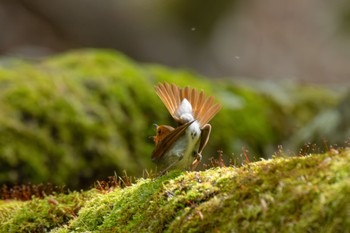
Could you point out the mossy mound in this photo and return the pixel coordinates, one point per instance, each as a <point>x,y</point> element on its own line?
<point>81,116</point>
<point>41,215</point>
<point>298,194</point>
<point>67,119</point>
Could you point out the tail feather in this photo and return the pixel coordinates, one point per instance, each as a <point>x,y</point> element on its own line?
<point>200,103</point>
<point>176,93</point>
<point>194,101</point>
<point>166,98</point>
<point>210,113</point>
<point>170,96</point>
<point>203,108</point>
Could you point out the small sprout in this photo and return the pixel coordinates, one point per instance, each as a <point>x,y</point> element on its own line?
<point>334,151</point>
<point>52,201</point>
<point>219,162</point>
<point>200,214</point>
<point>325,162</point>
<point>25,192</point>
<point>199,180</point>
<point>245,153</point>
<point>263,204</point>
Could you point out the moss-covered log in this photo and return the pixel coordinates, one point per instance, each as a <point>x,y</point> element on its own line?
<point>298,194</point>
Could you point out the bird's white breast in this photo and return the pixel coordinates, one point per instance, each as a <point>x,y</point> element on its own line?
<point>193,134</point>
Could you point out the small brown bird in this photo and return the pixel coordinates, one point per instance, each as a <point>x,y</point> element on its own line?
<point>181,147</point>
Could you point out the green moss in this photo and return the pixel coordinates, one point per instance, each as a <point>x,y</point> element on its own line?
<point>41,215</point>
<point>299,194</point>
<point>8,208</point>
<point>86,114</point>
<point>68,115</point>
<point>282,195</point>
<point>82,115</point>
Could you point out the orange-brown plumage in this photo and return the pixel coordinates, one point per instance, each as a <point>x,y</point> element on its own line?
<point>161,132</point>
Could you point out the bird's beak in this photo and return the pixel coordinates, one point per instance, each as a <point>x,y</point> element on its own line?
<point>155,125</point>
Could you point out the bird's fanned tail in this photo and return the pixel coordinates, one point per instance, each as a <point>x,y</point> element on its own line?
<point>203,108</point>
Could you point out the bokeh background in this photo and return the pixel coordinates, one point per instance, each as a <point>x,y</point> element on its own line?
<point>71,114</point>
<point>302,40</point>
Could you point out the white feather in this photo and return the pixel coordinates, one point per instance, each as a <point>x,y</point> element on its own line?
<point>184,112</point>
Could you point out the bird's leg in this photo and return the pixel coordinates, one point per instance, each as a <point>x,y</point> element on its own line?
<point>196,161</point>
<point>172,164</point>
<point>205,133</point>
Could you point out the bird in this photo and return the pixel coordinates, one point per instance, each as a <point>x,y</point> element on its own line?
<point>181,147</point>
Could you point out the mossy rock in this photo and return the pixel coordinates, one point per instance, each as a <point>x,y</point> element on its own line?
<point>41,215</point>
<point>65,121</point>
<point>330,127</point>
<point>298,194</point>
<point>81,116</point>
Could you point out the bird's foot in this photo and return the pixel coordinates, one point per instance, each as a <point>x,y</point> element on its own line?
<point>196,161</point>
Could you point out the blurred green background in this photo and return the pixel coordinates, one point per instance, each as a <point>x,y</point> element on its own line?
<point>71,114</point>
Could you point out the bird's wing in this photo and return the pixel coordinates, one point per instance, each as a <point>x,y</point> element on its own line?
<point>165,145</point>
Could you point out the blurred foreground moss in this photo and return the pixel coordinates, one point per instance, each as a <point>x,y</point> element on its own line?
<point>297,194</point>
<point>81,116</point>
<point>41,215</point>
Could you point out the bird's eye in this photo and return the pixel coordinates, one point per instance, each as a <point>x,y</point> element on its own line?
<point>159,131</point>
